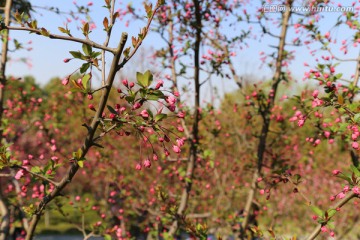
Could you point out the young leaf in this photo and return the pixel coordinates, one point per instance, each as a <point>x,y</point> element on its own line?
<point>317,211</point>
<point>144,79</point>
<point>76,54</point>
<point>355,170</point>
<point>106,23</point>
<point>160,117</point>
<point>87,49</point>
<point>85,29</point>
<point>86,82</point>
<point>84,67</point>
<point>112,110</point>
<point>45,32</point>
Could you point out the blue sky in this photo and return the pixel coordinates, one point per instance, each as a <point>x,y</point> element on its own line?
<point>47,55</point>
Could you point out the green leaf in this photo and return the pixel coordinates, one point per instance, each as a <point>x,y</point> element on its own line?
<point>86,82</point>
<point>160,117</point>
<point>76,54</point>
<point>317,211</point>
<point>130,98</point>
<point>331,212</point>
<point>80,163</point>
<point>107,237</point>
<point>87,49</point>
<point>36,169</point>
<point>144,79</point>
<point>84,67</point>
<point>357,118</point>
<point>154,95</point>
<point>95,54</point>
<point>355,170</point>
<point>112,110</point>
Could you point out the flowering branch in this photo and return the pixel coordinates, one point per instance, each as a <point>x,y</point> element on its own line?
<point>345,200</point>
<point>36,175</point>
<point>60,37</point>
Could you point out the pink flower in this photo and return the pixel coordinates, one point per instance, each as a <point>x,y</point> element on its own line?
<point>159,84</point>
<point>341,195</point>
<point>155,157</point>
<point>324,229</point>
<point>65,81</point>
<point>170,100</point>
<point>262,191</point>
<point>90,4</point>
<point>125,82</point>
<point>138,166</point>
<point>19,174</point>
<point>332,234</point>
<point>301,122</point>
<point>355,145</point>
<point>315,93</point>
<point>132,84</point>
<point>144,114</point>
<point>171,108</point>
<point>147,163</point>
<point>137,105</point>
<point>336,172</point>
<point>180,142</point>
<point>356,190</point>
<point>316,102</point>
<point>180,128</point>
<point>77,198</point>
<point>181,114</point>
<point>176,149</point>
<point>66,60</point>
<point>327,134</point>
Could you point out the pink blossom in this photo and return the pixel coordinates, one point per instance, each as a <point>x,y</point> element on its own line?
<point>356,190</point>
<point>180,142</point>
<point>180,128</point>
<point>327,134</point>
<point>125,82</point>
<point>332,234</point>
<point>144,114</point>
<point>324,229</point>
<point>19,174</point>
<point>355,145</point>
<point>341,195</point>
<point>315,93</point>
<point>336,172</point>
<point>170,100</point>
<point>159,84</point>
<point>181,114</point>
<point>137,105</point>
<point>138,166</point>
<point>77,198</point>
<point>301,122</point>
<point>65,81</point>
<point>147,163</point>
<point>176,149</point>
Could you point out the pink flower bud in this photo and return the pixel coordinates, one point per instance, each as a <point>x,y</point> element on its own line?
<point>125,82</point>
<point>65,81</point>
<point>91,107</point>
